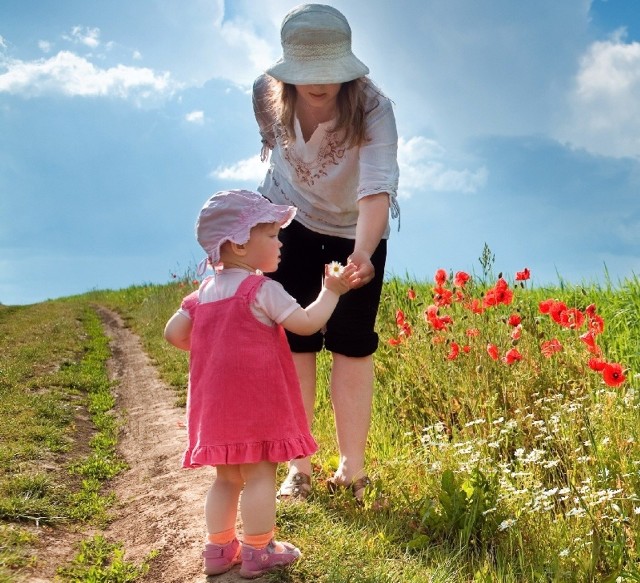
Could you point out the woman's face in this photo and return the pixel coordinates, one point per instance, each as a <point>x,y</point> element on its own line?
<point>318,95</point>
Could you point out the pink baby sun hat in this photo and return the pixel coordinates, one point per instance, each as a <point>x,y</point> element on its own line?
<point>229,215</point>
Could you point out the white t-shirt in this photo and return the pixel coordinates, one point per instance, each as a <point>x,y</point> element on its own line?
<point>272,302</point>
<point>324,180</point>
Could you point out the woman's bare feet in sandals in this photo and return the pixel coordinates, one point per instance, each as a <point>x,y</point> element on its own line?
<point>295,488</point>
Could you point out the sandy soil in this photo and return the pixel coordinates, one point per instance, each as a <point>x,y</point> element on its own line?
<point>161,505</point>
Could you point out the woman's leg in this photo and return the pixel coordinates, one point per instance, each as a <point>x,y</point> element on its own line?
<point>352,396</point>
<point>305,363</point>
<point>221,503</point>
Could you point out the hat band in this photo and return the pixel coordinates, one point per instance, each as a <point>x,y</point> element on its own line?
<point>316,51</point>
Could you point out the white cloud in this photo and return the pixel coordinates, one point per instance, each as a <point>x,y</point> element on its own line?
<point>3,43</point>
<point>251,169</point>
<point>195,117</point>
<point>72,75</point>
<point>605,99</point>
<point>89,37</point>
<point>422,169</point>
<point>44,46</point>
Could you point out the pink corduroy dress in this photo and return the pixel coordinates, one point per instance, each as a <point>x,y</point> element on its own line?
<point>244,403</point>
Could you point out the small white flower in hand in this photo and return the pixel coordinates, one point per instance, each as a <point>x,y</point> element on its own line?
<point>336,268</point>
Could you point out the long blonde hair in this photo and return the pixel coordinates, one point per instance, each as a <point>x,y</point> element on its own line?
<point>351,108</point>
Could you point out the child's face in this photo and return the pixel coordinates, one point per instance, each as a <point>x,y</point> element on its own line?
<point>263,247</point>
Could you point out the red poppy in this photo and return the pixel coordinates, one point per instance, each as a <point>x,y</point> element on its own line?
<point>454,350</point>
<point>499,294</point>
<point>596,324</point>
<point>514,319</point>
<point>597,364</point>
<point>466,349</point>
<point>555,311</point>
<point>545,305</point>
<point>512,355</point>
<point>472,332</point>
<point>461,278</point>
<point>571,318</point>
<point>476,306</point>
<point>395,341</point>
<point>523,275</point>
<point>492,351</point>
<point>590,310</point>
<point>550,347</point>
<point>442,296</point>
<point>440,277</point>
<point>590,340</point>
<point>405,330</point>
<point>516,332</point>
<point>613,374</point>
<point>399,317</point>
<point>411,293</point>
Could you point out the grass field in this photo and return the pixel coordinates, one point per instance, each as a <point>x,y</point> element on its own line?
<point>504,444</point>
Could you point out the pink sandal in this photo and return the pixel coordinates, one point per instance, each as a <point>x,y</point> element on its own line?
<point>221,558</point>
<point>256,562</point>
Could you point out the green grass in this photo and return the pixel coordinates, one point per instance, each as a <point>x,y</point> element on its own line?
<point>488,471</point>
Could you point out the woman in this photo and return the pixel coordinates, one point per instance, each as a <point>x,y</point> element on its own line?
<point>333,143</point>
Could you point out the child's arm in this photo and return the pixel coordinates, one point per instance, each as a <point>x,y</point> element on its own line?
<point>178,331</point>
<point>307,321</point>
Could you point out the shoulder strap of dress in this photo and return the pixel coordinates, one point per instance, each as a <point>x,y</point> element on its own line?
<point>250,286</point>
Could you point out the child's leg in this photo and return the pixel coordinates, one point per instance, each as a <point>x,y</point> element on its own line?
<point>258,504</point>
<point>222,550</point>
<point>221,503</point>
<point>260,552</point>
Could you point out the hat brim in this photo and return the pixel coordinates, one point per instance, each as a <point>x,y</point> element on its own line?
<point>318,72</point>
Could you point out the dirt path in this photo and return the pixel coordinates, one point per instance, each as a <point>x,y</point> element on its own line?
<point>161,504</point>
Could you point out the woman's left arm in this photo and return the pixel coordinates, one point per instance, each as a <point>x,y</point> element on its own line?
<point>373,218</point>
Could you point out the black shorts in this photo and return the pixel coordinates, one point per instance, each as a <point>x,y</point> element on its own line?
<point>350,330</point>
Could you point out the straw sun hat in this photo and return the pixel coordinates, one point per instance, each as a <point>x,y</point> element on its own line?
<point>316,48</point>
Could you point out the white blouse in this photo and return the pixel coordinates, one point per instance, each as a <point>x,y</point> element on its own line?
<point>323,180</point>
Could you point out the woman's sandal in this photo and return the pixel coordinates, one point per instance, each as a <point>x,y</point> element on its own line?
<point>295,489</point>
<point>357,487</point>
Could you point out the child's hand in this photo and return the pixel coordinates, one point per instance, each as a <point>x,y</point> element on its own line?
<point>336,277</point>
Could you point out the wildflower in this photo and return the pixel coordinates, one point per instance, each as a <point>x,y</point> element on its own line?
<point>336,268</point>
<point>512,356</point>
<point>556,310</point>
<point>550,347</point>
<point>505,524</point>
<point>523,275</point>
<point>595,324</point>
<point>400,318</point>
<point>440,277</point>
<point>498,294</point>
<point>411,293</point>
<point>492,351</point>
<point>597,364</point>
<point>394,341</point>
<point>590,340</point>
<point>514,320</point>
<point>476,306</point>
<point>571,318</point>
<point>442,296</point>
<point>454,350</point>
<point>461,278</point>
<point>613,374</point>
<point>545,305</point>
<point>472,332</point>
<point>517,332</point>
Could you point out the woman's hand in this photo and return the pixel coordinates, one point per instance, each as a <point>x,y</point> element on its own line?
<point>363,270</point>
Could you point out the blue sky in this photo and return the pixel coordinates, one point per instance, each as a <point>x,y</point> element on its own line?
<point>519,127</point>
